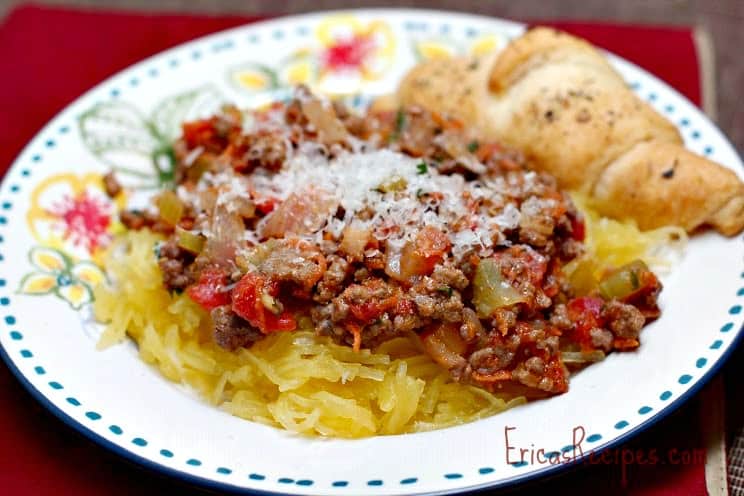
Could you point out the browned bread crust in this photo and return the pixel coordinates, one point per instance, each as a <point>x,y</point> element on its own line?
<point>557,99</point>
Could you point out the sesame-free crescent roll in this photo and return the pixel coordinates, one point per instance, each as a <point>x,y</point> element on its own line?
<point>556,98</point>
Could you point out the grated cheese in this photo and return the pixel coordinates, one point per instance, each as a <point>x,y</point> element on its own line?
<point>473,213</point>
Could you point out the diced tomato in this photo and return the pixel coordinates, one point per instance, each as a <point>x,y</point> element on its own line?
<point>555,370</point>
<point>213,134</point>
<point>578,229</point>
<point>585,312</point>
<point>266,205</point>
<point>209,291</point>
<point>203,133</point>
<point>247,303</point>
<point>419,258</point>
<point>431,242</point>
<point>405,307</point>
<point>625,344</point>
<point>514,259</point>
<point>367,311</point>
<point>197,132</point>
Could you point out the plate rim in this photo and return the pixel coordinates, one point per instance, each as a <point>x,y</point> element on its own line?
<point>152,465</point>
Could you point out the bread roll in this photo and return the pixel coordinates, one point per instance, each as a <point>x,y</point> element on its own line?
<point>558,100</point>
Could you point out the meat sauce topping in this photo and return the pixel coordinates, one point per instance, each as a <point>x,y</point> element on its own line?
<point>385,225</point>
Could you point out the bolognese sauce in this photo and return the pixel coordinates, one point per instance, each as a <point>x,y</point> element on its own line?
<point>390,224</point>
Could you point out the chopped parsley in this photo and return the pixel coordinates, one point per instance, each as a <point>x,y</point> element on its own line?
<point>400,124</point>
<point>420,192</point>
<point>634,280</point>
<point>473,146</point>
<point>446,290</point>
<point>421,168</point>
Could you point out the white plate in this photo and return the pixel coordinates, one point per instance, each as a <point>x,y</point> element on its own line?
<point>126,406</point>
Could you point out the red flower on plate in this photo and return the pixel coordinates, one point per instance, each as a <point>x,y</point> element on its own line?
<point>86,219</point>
<point>348,53</point>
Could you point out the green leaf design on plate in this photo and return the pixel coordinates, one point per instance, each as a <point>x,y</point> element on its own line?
<point>118,133</point>
<point>168,116</point>
<point>139,148</point>
<point>57,274</point>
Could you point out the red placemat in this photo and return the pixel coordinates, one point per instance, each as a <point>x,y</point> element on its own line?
<point>49,56</point>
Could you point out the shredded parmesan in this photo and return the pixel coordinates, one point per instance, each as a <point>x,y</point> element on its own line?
<point>391,193</point>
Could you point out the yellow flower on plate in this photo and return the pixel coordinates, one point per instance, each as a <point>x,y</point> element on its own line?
<point>254,77</point>
<point>486,44</point>
<point>57,274</point>
<point>72,213</point>
<point>352,53</point>
<point>300,69</point>
<point>444,47</point>
<point>345,54</point>
<point>432,49</point>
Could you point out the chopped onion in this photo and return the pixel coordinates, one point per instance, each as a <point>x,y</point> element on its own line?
<point>190,241</point>
<point>623,282</point>
<point>325,121</point>
<point>303,212</point>
<point>491,291</point>
<point>355,238</point>
<point>580,273</point>
<point>226,231</point>
<point>170,207</point>
<point>444,345</point>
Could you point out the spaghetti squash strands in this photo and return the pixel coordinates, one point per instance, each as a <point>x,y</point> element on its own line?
<point>297,381</point>
<point>616,243</point>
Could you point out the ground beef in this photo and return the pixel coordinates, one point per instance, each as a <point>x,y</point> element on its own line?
<point>331,284</point>
<point>524,269</point>
<point>361,274</point>
<point>537,221</point>
<point>174,262</point>
<point>374,260</point>
<point>231,331</point>
<point>530,373</point>
<point>371,293</point>
<point>302,265</point>
<point>493,358</point>
<point>133,219</point>
<point>415,131</point>
<point>624,320</point>
<point>267,150</point>
<point>374,306</point>
<point>504,320</point>
<point>436,301</point>
<point>137,219</point>
<point>405,322</point>
<point>601,338</point>
<point>571,249</point>
<point>472,329</point>
<point>322,317</point>
<point>551,344</point>
<point>450,277</point>
<point>376,333</point>
<point>559,318</point>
